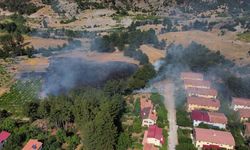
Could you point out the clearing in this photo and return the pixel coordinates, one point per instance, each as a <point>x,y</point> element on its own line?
<point>39,42</point>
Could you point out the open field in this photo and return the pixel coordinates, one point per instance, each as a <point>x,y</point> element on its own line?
<point>153,54</point>
<point>38,42</point>
<point>100,57</point>
<point>228,44</point>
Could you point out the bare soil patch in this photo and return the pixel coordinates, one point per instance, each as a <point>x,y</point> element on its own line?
<point>38,42</point>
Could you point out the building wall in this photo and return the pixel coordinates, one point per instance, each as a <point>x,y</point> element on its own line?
<point>242,119</point>
<point>219,125</point>
<point>237,107</point>
<point>148,122</point>
<point>200,95</point>
<point>189,78</point>
<point>193,86</point>
<point>199,145</point>
<point>192,107</point>
<point>154,141</point>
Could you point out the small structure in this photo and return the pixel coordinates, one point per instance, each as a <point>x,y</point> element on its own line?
<point>210,118</point>
<point>198,103</point>
<point>33,144</point>
<point>244,114</point>
<point>208,138</point>
<point>148,114</point>
<point>240,103</point>
<point>153,136</point>
<point>205,93</point>
<point>191,76</point>
<point>247,130</point>
<point>149,147</point>
<point>4,135</point>
<point>202,84</point>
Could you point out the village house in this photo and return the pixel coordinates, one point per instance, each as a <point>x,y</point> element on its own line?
<point>244,114</point>
<point>240,103</point>
<point>205,93</point>
<point>4,135</point>
<point>247,130</point>
<point>202,84</point>
<point>148,113</point>
<point>208,138</point>
<point>198,103</point>
<point>210,118</point>
<point>191,76</point>
<point>153,136</point>
<point>33,144</point>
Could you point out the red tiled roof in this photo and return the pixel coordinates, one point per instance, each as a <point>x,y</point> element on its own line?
<point>155,132</point>
<point>203,101</point>
<point>211,92</point>
<point>4,136</point>
<point>33,144</point>
<point>215,117</point>
<point>197,83</point>
<point>247,126</point>
<point>145,103</point>
<point>199,115</point>
<point>241,101</point>
<point>191,75</point>
<point>245,113</point>
<point>149,147</point>
<point>214,136</point>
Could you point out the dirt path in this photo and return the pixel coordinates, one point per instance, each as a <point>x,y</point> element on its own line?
<point>166,88</point>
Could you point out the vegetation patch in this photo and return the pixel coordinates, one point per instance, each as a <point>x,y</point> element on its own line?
<point>244,36</point>
<point>20,93</point>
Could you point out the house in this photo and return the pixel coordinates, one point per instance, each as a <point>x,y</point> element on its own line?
<point>205,93</point>
<point>205,138</point>
<point>240,103</point>
<point>153,136</point>
<point>247,130</point>
<point>210,118</point>
<point>199,103</point>
<point>4,135</point>
<point>33,144</point>
<point>244,114</point>
<point>197,84</point>
<point>191,76</point>
<point>148,113</point>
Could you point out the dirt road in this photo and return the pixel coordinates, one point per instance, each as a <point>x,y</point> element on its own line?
<point>166,88</point>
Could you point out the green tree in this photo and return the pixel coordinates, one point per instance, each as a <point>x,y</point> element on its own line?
<point>124,141</point>
<point>137,108</point>
<point>8,124</point>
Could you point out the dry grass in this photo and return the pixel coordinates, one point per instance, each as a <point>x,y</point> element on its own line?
<point>228,44</point>
<point>153,53</point>
<point>38,42</point>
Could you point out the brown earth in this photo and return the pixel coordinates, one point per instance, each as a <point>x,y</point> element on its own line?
<point>38,42</point>
<point>153,54</point>
<point>228,44</point>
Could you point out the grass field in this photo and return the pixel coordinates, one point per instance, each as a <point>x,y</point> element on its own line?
<point>244,36</point>
<point>20,93</point>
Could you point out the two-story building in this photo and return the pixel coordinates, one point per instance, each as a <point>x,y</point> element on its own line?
<point>208,138</point>
<point>199,103</point>
<point>153,136</point>
<point>240,103</point>
<point>210,118</point>
<point>244,114</point>
<point>148,113</point>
